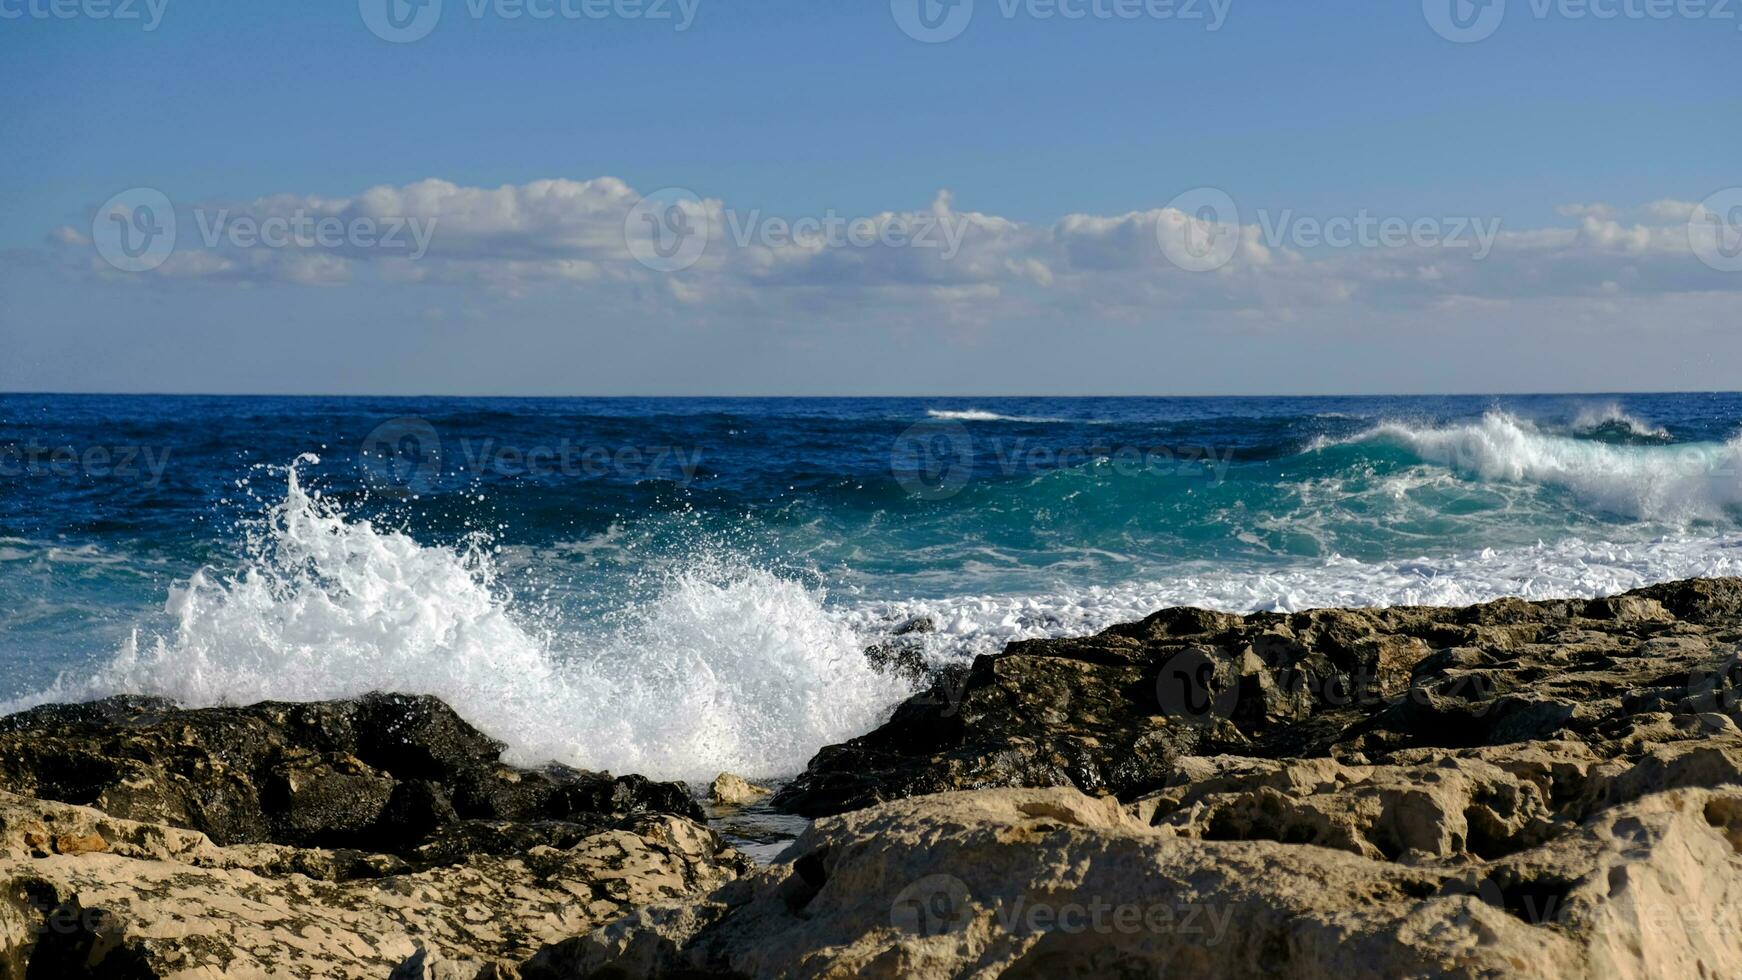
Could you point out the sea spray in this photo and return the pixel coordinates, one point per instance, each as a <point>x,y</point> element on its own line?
<point>1610,420</point>
<point>730,668</point>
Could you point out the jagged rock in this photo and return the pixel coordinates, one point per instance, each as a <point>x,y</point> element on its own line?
<point>903,654</point>
<point>1516,788</point>
<point>425,965</point>
<point>157,901</point>
<point>338,839</point>
<point>381,772</point>
<point>1116,711</point>
<point>1051,883</point>
<point>918,624</point>
<point>903,660</point>
<point>731,790</point>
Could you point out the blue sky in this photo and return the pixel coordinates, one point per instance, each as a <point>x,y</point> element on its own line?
<point>1591,143</point>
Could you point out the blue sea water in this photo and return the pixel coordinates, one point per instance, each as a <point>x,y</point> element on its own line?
<point>680,586</point>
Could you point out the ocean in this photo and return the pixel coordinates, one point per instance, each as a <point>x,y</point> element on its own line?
<point>677,587</point>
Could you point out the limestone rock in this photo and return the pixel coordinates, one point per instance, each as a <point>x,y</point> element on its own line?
<point>1051,883</point>
<point>160,902</point>
<point>1511,789</point>
<point>732,790</point>
<point>336,840</point>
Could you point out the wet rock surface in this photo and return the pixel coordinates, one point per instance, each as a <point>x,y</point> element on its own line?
<point>730,789</point>
<point>396,774</point>
<point>1547,789</point>
<point>331,839</point>
<point>1113,713</point>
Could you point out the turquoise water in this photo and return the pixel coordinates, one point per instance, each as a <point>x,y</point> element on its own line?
<point>681,586</point>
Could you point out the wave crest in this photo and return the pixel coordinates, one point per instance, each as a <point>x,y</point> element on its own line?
<point>1676,484</point>
<point>980,415</point>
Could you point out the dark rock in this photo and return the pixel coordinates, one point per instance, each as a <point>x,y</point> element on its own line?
<point>918,624</point>
<point>900,659</point>
<point>1016,719</point>
<point>345,839</point>
<point>324,801</point>
<point>903,653</point>
<point>382,773</point>
<point>1111,713</point>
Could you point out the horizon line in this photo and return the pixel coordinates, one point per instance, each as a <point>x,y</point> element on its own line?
<point>876,397</point>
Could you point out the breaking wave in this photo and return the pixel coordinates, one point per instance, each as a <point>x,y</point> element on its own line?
<point>728,668</point>
<point>1671,483</point>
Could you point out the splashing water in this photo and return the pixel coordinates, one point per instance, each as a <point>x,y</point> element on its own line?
<point>730,668</point>
<point>1610,419</point>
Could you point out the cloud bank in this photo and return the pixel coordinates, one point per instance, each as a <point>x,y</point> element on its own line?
<point>678,251</point>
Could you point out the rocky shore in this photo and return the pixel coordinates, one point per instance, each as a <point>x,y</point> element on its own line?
<point>1509,789</point>
<point>340,839</point>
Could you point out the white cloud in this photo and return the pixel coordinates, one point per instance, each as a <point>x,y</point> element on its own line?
<point>937,261</point>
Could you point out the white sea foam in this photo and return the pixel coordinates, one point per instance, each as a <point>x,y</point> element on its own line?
<point>46,552</point>
<point>972,625</point>
<point>1596,419</point>
<point>981,415</point>
<point>729,668</point>
<point>1675,484</point>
